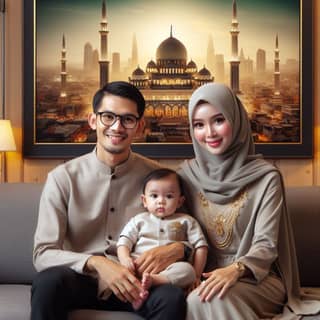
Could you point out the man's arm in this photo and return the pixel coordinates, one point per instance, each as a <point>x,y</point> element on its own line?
<point>51,230</point>
<point>157,259</point>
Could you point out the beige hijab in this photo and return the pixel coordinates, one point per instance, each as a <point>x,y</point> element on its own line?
<point>222,177</point>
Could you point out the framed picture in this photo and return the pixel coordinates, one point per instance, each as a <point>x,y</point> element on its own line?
<point>261,49</point>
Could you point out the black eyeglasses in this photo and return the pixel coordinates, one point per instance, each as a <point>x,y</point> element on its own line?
<point>128,121</point>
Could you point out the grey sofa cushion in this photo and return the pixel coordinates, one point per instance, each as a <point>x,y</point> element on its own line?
<point>14,302</point>
<point>15,305</point>
<point>18,208</point>
<point>102,315</point>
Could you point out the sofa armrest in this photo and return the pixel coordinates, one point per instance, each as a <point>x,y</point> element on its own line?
<point>19,211</point>
<point>304,209</point>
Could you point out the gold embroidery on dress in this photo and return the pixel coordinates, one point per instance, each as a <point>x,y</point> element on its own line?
<point>220,219</point>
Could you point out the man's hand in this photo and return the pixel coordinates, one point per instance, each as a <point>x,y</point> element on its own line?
<point>157,259</point>
<point>116,277</point>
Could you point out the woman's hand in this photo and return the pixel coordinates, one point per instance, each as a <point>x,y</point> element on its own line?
<point>218,282</point>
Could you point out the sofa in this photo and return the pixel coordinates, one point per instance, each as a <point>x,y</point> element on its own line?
<point>19,210</point>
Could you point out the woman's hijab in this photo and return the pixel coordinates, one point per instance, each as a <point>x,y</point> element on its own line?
<point>222,177</point>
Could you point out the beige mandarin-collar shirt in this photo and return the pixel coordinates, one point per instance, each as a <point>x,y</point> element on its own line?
<point>84,206</point>
<point>146,231</point>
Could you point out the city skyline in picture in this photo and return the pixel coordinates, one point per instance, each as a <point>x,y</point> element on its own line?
<point>193,22</point>
<point>167,49</point>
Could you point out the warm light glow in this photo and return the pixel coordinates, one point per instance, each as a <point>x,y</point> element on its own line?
<point>6,136</point>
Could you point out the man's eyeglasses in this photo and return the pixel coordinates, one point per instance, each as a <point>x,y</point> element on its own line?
<point>128,121</point>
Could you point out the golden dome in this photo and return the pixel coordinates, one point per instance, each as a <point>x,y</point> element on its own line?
<point>171,49</point>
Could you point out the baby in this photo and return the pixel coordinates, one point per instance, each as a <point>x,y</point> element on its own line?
<point>161,225</point>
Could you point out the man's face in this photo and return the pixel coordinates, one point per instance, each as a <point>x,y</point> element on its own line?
<point>115,139</point>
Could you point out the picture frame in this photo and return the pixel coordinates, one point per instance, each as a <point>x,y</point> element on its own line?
<point>49,148</point>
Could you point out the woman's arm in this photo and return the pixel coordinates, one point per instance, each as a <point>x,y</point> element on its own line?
<point>263,244</point>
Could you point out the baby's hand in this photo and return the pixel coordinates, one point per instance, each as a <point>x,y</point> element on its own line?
<point>128,263</point>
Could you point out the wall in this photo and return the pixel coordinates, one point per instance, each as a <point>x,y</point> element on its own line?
<point>295,171</point>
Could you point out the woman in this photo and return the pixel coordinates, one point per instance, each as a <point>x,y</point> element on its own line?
<point>238,198</point>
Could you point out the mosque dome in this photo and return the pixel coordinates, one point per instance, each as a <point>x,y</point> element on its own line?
<point>151,67</point>
<point>204,72</point>
<point>171,49</point>
<point>138,72</point>
<point>151,64</point>
<point>204,75</point>
<point>191,65</point>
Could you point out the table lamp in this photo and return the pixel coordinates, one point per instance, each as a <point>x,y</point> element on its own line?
<point>6,144</point>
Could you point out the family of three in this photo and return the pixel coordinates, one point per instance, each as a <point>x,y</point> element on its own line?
<point>111,234</point>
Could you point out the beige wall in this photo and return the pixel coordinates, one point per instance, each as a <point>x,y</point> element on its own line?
<point>296,172</point>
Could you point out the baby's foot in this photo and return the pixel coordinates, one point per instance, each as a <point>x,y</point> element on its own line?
<point>140,301</point>
<point>146,284</point>
<point>146,281</point>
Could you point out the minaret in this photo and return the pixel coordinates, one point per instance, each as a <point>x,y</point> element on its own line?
<point>103,62</point>
<point>210,55</point>
<point>234,62</point>
<point>63,73</point>
<point>134,53</point>
<point>276,68</point>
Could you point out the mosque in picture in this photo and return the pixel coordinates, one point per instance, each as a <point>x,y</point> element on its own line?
<point>171,70</point>
<point>166,112</point>
<point>167,83</point>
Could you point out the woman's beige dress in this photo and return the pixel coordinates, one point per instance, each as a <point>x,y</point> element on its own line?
<point>253,215</point>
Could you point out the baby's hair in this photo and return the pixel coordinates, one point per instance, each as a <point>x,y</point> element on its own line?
<point>159,174</point>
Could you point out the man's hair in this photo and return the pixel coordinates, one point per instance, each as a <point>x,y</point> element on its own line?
<point>121,89</point>
<point>159,174</point>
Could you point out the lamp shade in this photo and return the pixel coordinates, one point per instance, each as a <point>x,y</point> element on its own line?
<point>6,136</point>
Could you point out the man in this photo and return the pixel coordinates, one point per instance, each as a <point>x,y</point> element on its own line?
<point>84,205</point>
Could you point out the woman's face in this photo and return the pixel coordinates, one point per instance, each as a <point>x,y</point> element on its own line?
<point>211,129</point>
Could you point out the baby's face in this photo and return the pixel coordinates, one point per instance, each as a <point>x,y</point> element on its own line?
<point>163,196</point>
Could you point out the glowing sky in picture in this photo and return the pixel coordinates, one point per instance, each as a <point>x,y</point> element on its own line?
<point>193,22</point>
